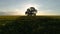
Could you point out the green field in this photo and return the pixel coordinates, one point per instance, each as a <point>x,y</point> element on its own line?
<point>29,24</point>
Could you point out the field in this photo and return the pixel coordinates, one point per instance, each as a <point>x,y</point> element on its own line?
<point>29,24</point>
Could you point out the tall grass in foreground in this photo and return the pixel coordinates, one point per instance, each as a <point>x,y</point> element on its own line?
<point>30,25</point>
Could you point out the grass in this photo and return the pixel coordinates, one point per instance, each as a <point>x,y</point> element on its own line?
<point>29,24</point>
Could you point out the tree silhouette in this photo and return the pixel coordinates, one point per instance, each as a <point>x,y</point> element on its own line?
<point>31,11</point>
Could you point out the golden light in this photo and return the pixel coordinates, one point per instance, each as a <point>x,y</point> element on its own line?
<point>22,10</point>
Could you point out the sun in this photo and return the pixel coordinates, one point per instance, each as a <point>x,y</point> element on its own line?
<point>31,5</point>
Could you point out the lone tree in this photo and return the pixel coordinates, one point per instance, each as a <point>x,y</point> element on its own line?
<point>31,11</point>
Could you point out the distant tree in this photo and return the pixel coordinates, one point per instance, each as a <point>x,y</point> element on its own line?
<point>31,11</point>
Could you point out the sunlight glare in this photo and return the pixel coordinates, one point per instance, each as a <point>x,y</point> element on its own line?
<point>31,5</point>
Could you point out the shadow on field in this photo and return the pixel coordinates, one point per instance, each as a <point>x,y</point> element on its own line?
<point>32,25</point>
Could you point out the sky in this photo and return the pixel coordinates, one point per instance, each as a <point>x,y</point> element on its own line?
<point>18,7</point>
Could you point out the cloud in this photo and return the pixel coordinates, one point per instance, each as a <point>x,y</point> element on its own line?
<point>10,12</point>
<point>48,12</point>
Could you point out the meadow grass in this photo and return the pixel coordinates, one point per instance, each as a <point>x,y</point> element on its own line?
<point>29,24</point>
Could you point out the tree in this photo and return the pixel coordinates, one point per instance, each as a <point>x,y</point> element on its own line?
<point>31,11</point>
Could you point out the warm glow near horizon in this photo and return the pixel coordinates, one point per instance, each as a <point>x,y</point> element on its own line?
<point>25,7</point>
